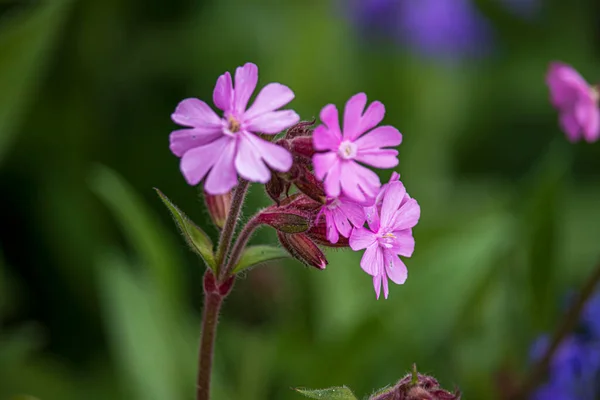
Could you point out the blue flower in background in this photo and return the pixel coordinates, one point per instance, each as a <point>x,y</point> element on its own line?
<point>574,372</point>
<point>434,28</point>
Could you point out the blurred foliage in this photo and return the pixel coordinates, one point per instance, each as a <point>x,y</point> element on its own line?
<point>100,298</point>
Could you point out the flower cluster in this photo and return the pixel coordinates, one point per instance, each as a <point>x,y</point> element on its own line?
<point>574,371</point>
<point>336,192</point>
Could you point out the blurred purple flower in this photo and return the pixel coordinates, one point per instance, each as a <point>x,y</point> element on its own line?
<point>438,28</point>
<point>574,371</point>
<point>442,29</point>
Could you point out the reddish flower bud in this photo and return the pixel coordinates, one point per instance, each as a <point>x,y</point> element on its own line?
<point>303,249</point>
<point>285,220</point>
<point>302,202</point>
<point>275,188</point>
<point>300,129</point>
<point>302,147</point>
<point>318,233</point>
<point>415,386</point>
<point>308,183</point>
<point>218,207</point>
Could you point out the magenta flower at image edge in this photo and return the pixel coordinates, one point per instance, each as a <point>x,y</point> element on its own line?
<point>389,236</point>
<point>220,149</point>
<point>340,153</point>
<point>576,101</point>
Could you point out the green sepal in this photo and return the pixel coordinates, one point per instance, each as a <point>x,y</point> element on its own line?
<point>195,237</point>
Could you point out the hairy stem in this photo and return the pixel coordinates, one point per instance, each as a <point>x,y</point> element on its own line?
<point>229,228</point>
<point>240,245</point>
<point>566,326</point>
<point>210,315</point>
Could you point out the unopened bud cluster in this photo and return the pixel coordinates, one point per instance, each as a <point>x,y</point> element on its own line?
<point>416,386</point>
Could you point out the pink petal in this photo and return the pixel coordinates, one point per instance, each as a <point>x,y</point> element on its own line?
<point>586,113</point>
<point>372,216</point>
<point>273,121</point>
<point>341,222</point>
<point>361,238</point>
<point>565,84</point>
<point>377,285</point>
<point>326,139</point>
<point>386,288</point>
<point>395,268</point>
<point>404,243</point>
<point>196,162</point>
<point>323,163</point>
<point>329,116</point>
<point>355,122</point>
<point>222,178</point>
<point>254,152</point>
<point>391,203</point>
<point>353,114</point>
<point>183,140</point>
<point>372,260</point>
<point>245,83</point>
<point>407,216</point>
<point>592,133</point>
<point>248,162</point>
<point>358,183</point>
<point>274,155</point>
<point>378,158</point>
<point>354,212</point>
<point>196,113</point>
<point>382,136</point>
<point>223,93</point>
<point>332,233</point>
<point>332,180</point>
<point>270,98</point>
<point>569,124</point>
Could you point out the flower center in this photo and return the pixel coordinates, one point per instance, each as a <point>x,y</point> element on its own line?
<point>387,240</point>
<point>332,203</point>
<point>233,125</point>
<point>347,150</point>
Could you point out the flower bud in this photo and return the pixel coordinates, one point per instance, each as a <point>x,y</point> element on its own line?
<point>275,188</point>
<point>302,147</point>
<point>307,183</point>
<point>302,202</point>
<point>415,386</point>
<point>218,207</point>
<point>303,249</point>
<point>285,220</point>
<point>300,129</point>
<point>318,233</point>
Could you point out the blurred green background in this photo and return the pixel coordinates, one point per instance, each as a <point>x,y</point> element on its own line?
<point>100,298</point>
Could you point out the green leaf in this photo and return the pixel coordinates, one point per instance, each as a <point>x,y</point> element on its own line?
<point>254,255</point>
<point>334,393</point>
<point>194,236</point>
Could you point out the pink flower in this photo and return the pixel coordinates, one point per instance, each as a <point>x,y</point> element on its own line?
<point>341,214</point>
<point>221,148</point>
<point>338,163</point>
<point>576,101</point>
<point>388,237</point>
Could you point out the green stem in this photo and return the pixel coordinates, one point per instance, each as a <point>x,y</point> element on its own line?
<point>228,230</point>
<point>240,244</point>
<point>210,315</point>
